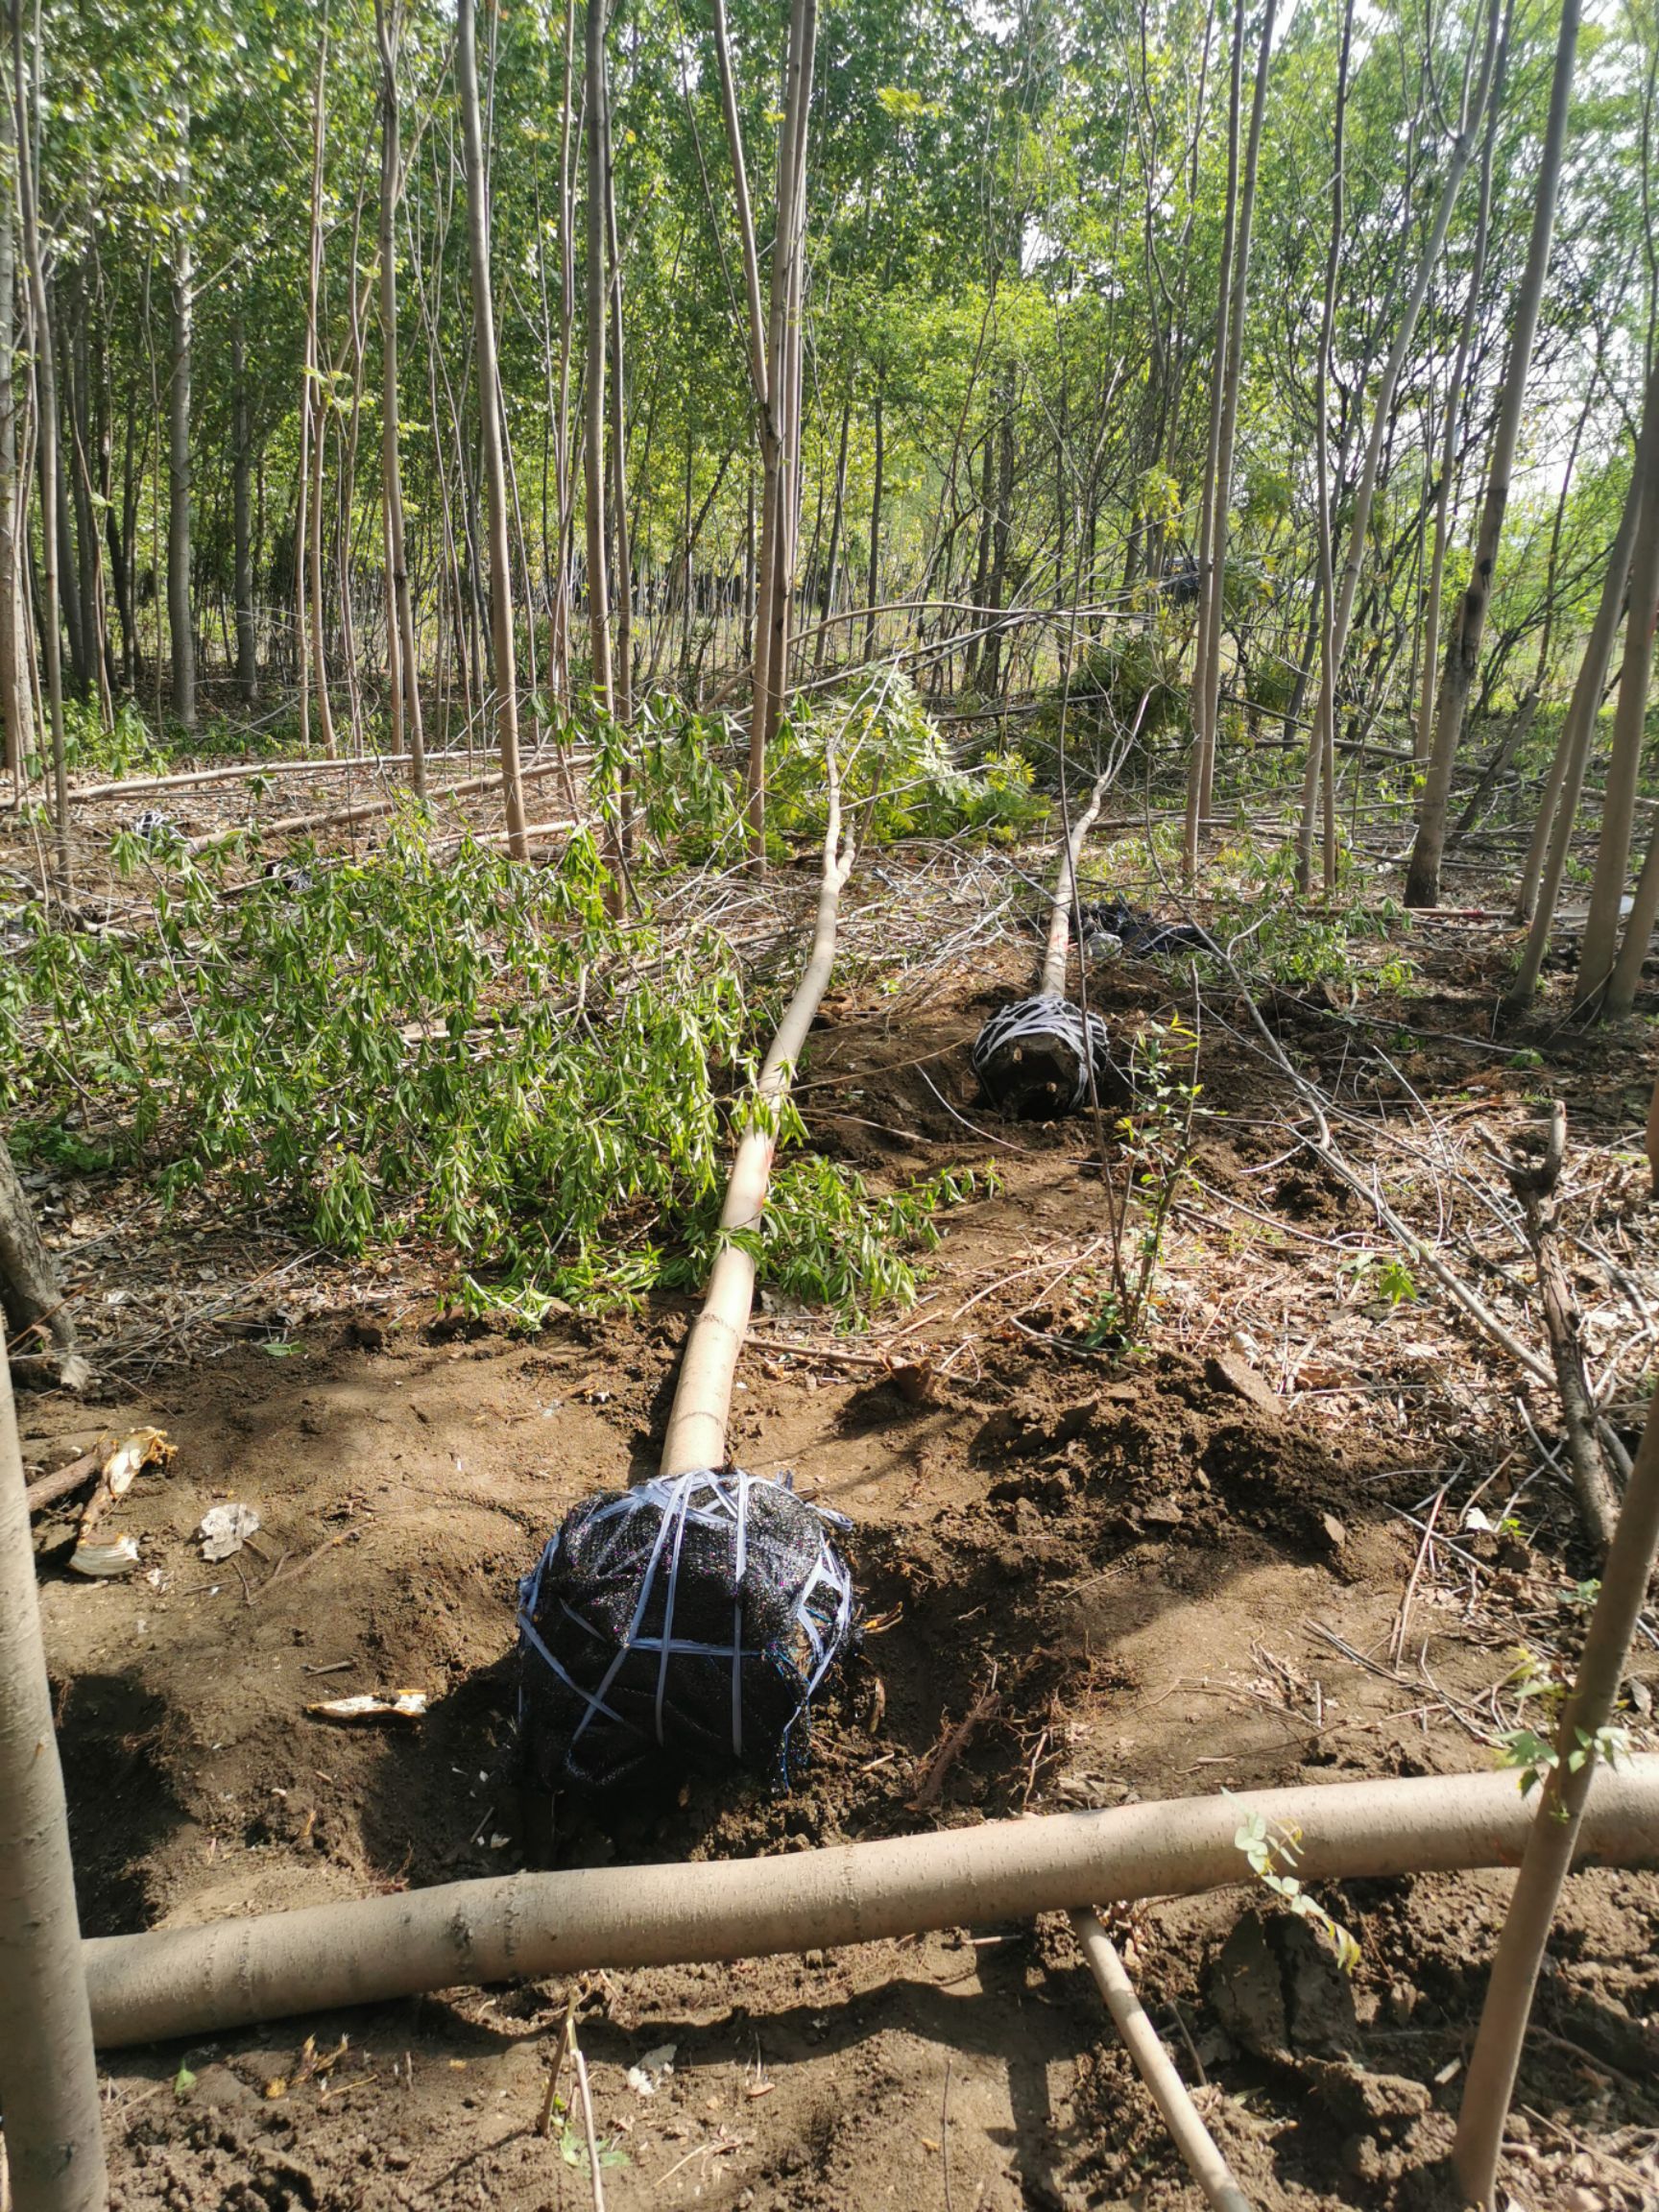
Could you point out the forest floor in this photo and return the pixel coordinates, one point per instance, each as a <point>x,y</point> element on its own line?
<point>1300,1535</point>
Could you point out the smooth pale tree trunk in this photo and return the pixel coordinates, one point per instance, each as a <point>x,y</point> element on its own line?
<point>46,435</point>
<point>1626,975</point>
<point>1546,860</point>
<point>310,638</point>
<point>1554,1836</point>
<point>1198,798</point>
<point>54,2143</point>
<point>1522,720</point>
<point>1212,457</point>
<point>836,514</point>
<point>180,625</point>
<point>559,649</point>
<point>242,520</point>
<point>491,410</point>
<point>14,698</point>
<point>873,586</point>
<point>1623,767</point>
<point>1456,397</point>
<point>622,656</point>
<point>594,370</point>
<point>402,665</point>
<point>68,567</point>
<point>1463,654</point>
<point>1320,774</point>
<point>1459,156</point>
<point>773,360</point>
<point>1002,529</point>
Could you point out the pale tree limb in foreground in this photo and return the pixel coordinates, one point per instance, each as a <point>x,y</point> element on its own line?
<point>1191,2138</point>
<point>196,1980</point>
<point>1580,1746</point>
<point>48,2073</point>
<point>702,1396</point>
<point>1057,950</point>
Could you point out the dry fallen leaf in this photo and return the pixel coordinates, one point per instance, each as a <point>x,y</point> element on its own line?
<point>143,1448</point>
<point>226,1528</point>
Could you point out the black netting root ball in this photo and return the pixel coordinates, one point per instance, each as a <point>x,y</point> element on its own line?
<point>1033,1060</point>
<point>684,1625</point>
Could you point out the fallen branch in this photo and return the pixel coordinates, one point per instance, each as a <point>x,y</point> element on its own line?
<point>1152,2062</point>
<point>520,1927</point>
<point>365,810</point>
<point>703,1395</point>
<point>47,1489</point>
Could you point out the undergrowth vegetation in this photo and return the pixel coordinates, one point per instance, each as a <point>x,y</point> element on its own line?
<point>438,1045</point>
<point>896,774</point>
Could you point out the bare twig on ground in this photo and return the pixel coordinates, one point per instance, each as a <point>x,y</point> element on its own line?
<point>593,2173</point>
<point>1192,2139</point>
<point>985,1707</point>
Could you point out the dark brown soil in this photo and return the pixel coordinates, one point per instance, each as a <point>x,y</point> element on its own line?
<point>1145,1557</point>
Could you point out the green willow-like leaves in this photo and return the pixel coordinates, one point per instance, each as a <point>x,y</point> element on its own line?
<point>439,1047</point>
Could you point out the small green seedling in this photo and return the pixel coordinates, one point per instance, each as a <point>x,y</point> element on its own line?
<point>1269,1847</point>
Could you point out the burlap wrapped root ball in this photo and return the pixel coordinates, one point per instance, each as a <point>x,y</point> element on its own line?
<point>682,1626</point>
<point>1033,1060</point>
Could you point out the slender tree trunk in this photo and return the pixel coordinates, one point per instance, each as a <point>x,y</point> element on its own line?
<point>68,566</point>
<point>1473,113</point>
<point>991,676</point>
<point>403,664</point>
<point>180,627</point>
<point>1206,555</point>
<point>313,420</point>
<point>241,500</point>
<point>490,408</point>
<point>773,365</point>
<point>1321,770</point>
<point>1423,728</point>
<point>622,664</point>
<point>1462,659</point>
<point>1520,721</point>
<point>873,598</point>
<point>1558,809</point>
<point>559,654</point>
<point>1204,753</point>
<point>46,434</point>
<point>836,513</point>
<point>15,699</point>
<point>749,567</point>
<point>1597,966</point>
<point>593,372</point>
<point>54,2109</point>
<point>1553,1839</point>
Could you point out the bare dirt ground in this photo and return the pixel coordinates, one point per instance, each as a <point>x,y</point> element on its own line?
<point>1201,1565</point>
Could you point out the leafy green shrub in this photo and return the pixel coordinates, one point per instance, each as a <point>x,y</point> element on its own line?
<point>444,1048</point>
<point>1110,677</point>
<point>130,749</point>
<point>892,758</point>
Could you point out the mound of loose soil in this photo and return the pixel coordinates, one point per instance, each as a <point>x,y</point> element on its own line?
<point>1148,1574</point>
